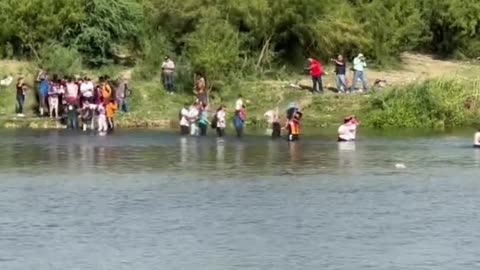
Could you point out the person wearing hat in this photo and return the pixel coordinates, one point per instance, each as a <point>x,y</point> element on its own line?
<point>348,131</point>
<point>359,66</point>
<point>168,69</point>
<point>293,126</point>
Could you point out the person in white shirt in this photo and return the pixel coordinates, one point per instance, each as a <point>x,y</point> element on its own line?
<point>184,123</point>
<point>348,131</point>
<point>168,69</point>
<point>86,88</point>
<point>476,139</point>
<point>274,127</point>
<point>193,114</point>
<point>239,103</point>
<point>221,121</point>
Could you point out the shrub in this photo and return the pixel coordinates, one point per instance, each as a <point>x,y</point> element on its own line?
<point>430,104</point>
<point>60,60</point>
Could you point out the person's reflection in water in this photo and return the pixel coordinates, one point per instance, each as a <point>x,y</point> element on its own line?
<point>239,153</point>
<point>294,151</point>
<point>193,153</point>
<point>183,150</point>
<point>84,159</point>
<point>346,154</point>
<point>72,157</point>
<point>477,156</point>
<point>220,153</point>
<point>99,158</point>
<point>272,152</point>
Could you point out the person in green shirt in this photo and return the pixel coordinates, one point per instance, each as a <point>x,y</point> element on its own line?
<point>359,66</point>
<point>203,120</point>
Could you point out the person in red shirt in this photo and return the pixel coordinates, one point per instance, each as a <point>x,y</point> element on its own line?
<point>316,72</point>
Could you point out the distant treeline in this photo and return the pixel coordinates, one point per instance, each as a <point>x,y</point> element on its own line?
<point>221,37</point>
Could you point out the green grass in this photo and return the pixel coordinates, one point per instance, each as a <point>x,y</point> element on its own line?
<point>434,103</point>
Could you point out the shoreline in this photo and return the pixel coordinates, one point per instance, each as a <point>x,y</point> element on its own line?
<point>47,123</point>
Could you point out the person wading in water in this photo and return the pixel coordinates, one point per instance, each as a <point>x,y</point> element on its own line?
<point>348,131</point>
<point>293,126</point>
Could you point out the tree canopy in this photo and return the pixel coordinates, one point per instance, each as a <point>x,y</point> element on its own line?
<point>219,37</point>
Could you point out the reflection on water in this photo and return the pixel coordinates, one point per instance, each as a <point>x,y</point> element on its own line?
<point>149,200</point>
<point>346,155</point>
<point>220,157</point>
<point>130,152</point>
<point>477,156</point>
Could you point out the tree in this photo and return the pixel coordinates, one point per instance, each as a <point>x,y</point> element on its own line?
<point>110,26</point>
<point>214,47</point>
<point>31,23</point>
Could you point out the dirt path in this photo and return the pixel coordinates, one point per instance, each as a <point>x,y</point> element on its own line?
<point>414,67</point>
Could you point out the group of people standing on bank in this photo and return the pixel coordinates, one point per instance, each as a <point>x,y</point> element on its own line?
<point>359,65</point>
<point>70,99</point>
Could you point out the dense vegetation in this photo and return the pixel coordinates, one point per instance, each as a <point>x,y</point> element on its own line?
<point>433,104</point>
<point>241,36</point>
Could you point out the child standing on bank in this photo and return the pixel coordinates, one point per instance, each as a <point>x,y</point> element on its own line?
<point>53,101</point>
<point>102,119</point>
<point>87,115</point>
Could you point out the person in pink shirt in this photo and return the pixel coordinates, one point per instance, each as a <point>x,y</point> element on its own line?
<point>348,131</point>
<point>71,92</point>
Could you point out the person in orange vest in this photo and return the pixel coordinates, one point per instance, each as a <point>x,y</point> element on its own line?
<point>106,90</point>
<point>293,127</point>
<point>110,109</point>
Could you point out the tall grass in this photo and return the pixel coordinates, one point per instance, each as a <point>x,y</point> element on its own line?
<point>436,103</point>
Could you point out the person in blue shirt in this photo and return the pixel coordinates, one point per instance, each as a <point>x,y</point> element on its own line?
<point>239,121</point>
<point>42,92</point>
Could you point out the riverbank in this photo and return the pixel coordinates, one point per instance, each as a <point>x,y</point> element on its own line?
<point>421,93</point>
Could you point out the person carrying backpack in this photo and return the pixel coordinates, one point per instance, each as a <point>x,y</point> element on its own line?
<point>219,123</point>
<point>183,118</point>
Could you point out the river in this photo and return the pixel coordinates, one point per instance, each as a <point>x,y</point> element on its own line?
<point>144,199</point>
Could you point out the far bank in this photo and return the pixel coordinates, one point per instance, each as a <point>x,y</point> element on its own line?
<point>430,104</point>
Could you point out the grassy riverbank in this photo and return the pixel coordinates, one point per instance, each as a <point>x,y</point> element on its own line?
<point>422,92</point>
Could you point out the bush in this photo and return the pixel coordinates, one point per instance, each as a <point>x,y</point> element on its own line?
<point>60,60</point>
<point>433,103</point>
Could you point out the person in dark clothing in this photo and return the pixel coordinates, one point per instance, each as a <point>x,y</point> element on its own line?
<point>87,115</point>
<point>122,92</point>
<point>21,87</point>
<point>273,121</point>
<point>276,130</point>
<point>72,115</point>
<point>340,71</point>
